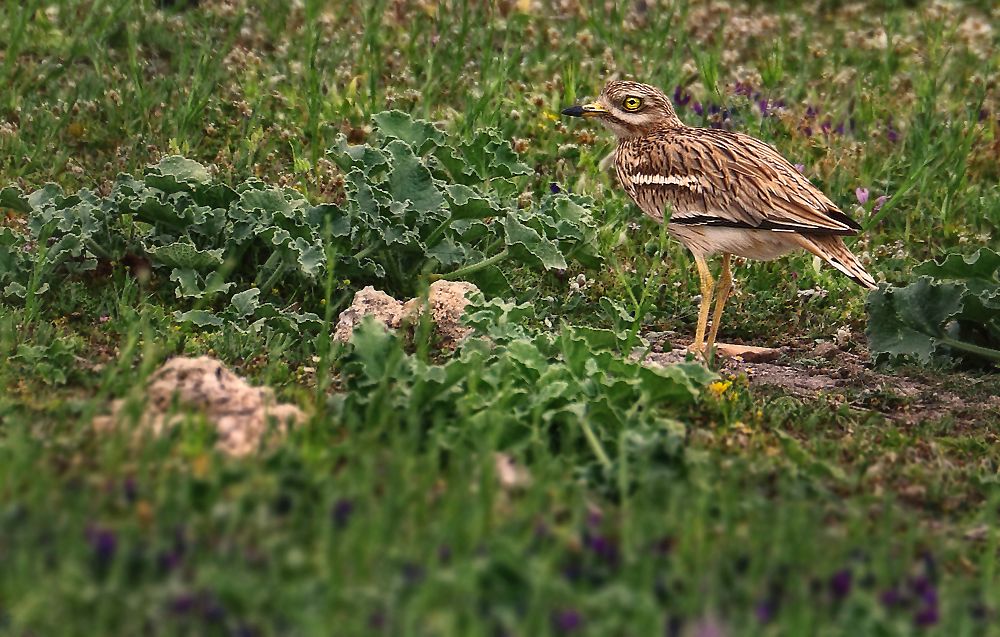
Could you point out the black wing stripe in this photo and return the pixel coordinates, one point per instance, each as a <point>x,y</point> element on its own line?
<point>718,222</point>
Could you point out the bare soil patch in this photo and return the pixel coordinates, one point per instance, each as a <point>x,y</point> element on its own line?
<point>807,370</point>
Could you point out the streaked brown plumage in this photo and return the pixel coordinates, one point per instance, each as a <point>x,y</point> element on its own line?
<point>727,192</point>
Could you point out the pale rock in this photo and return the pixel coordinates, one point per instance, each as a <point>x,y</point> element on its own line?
<point>240,412</point>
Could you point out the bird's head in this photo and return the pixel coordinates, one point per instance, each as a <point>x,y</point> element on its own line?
<point>629,109</point>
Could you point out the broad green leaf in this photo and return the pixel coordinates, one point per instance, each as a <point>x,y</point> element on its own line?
<point>200,318</point>
<point>12,198</point>
<point>191,284</point>
<point>410,180</point>
<point>469,204</point>
<point>524,241</point>
<point>185,256</point>
<point>910,320</point>
<point>504,161</point>
<point>982,264</point>
<point>245,303</point>
<point>175,173</point>
<point>419,134</point>
<point>357,156</point>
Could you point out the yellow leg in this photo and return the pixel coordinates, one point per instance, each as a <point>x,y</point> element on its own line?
<point>721,296</point>
<point>707,286</point>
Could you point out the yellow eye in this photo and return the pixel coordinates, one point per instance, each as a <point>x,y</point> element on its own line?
<point>631,103</point>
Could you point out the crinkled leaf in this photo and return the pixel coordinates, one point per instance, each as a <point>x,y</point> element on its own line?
<point>175,173</point>
<point>504,160</point>
<point>192,285</point>
<point>185,256</point>
<point>448,252</point>
<point>526,243</point>
<point>364,157</point>
<point>982,264</point>
<point>419,134</point>
<point>245,303</point>
<point>200,318</point>
<point>469,204</point>
<point>410,180</point>
<point>15,289</point>
<point>12,198</point>
<point>910,320</point>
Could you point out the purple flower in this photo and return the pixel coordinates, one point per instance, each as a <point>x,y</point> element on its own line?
<point>566,621</point>
<point>342,511</point>
<point>183,604</point>
<point>879,202</point>
<point>840,584</point>
<point>925,589</point>
<point>743,88</point>
<point>862,195</point>
<point>807,131</point>
<point>765,611</point>
<point>927,616</point>
<point>811,112</point>
<point>168,561</point>
<point>698,110</point>
<point>681,97</point>
<point>603,547</point>
<point>983,114</point>
<point>800,167</point>
<point>762,105</point>
<point>554,188</point>
<point>891,597</point>
<point>104,543</point>
<point>130,490</point>
<point>826,126</point>
<point>890,131</point>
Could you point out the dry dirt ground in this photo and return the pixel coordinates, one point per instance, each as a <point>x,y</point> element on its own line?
<point>807,370</point>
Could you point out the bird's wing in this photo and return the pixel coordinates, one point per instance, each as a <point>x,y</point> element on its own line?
<point>718,178</point>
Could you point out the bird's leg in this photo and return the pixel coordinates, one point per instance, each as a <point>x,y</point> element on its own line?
<point>721,296</point>
<point>707,286</point>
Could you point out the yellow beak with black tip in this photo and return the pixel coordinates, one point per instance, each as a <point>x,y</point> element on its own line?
<point>585,110</point>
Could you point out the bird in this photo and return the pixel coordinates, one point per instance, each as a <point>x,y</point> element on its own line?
<point>725,192</point>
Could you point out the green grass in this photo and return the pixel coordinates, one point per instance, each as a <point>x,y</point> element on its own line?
<point>860,511</point>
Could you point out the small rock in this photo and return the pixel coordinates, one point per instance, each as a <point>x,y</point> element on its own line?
<point>748,353</point>
<point>240,412</point>
<point>825,350</point>
<point>446,301</point>
<point>509,474</point>
<point>368,302</point>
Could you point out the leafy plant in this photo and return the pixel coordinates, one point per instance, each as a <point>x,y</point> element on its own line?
<point>571,388</point>
<point>415,205</point>
<point>952,310</point>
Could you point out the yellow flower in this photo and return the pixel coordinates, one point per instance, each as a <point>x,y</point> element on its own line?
<point>719,387</point>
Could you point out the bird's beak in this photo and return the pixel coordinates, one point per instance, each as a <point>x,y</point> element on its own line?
<point>586,110</point>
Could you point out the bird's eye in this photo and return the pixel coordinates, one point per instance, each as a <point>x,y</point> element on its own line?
<point>631,103</point>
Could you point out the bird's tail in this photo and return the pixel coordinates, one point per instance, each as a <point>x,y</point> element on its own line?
<point>831,249</point>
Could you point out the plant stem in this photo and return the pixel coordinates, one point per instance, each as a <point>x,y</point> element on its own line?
<point>985,352</point>
<point>595,444</point>
<point>469,269</point>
